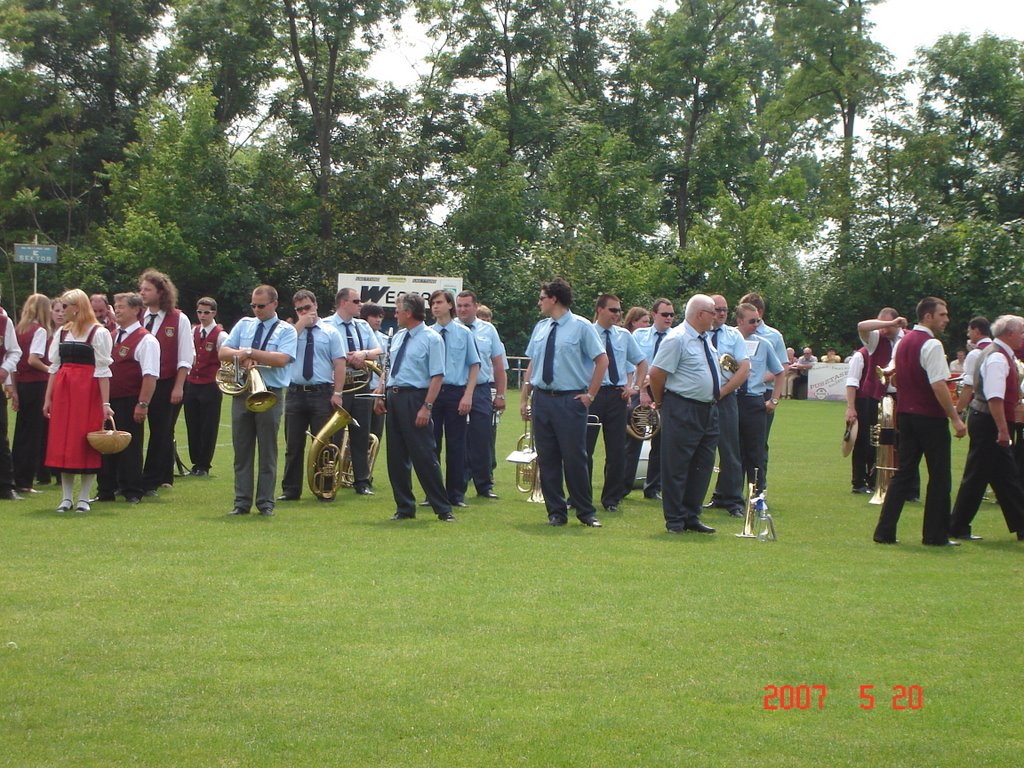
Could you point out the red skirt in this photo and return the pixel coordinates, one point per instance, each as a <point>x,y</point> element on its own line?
<point>76,408</point>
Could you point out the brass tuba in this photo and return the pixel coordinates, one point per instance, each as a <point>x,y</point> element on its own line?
<point>323,467</point>
<point>883,439</point>
<point>644,422</point>
<point>347,477</point>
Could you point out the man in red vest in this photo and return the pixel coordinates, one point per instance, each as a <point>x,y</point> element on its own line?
<point>922,408</point>
<point>203,398</point>
<point>133,372</point>
<point>990,458</point>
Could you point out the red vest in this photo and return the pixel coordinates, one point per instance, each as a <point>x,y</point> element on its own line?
<point>167,336</point>
<point>205,367</point>
<point>1009,393</point>
<point>868,378</point>
<point>26,372</point>
<point>881,357</point>
<point>915,391</point>
<point>125,371</point>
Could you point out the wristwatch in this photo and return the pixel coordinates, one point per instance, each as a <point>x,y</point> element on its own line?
<point>143,404</point>
<point>774,401</point>
<point>428,406</point>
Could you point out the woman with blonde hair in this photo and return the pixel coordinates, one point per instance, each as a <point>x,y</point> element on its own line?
<point>77,397</point>
<point>34,329</point>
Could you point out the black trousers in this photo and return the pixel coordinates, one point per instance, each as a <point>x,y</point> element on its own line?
<point>610,408</point>
<point>303,411</point>
<point>412,448</point>
<point>753,429</point>
<point>730,488</point>
<point>29,428</point>
<point>480,440</point>
<point>863,458</point>
<point>361,409</point>
<point>988,463</point>
<point>451,428</point>
<point>6,467</point>
<point>926,436</point>
<point>690,437</point>
<point>122,472</point>
<point>202,403</point>
<point>560,437</point>
<point>159,467</point>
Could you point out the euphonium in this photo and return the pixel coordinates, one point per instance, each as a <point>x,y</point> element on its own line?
<point>347,477</point>
<point>883,438</point>
<point>323,467</point>
<point>644,422</point>
<point>728,363</point>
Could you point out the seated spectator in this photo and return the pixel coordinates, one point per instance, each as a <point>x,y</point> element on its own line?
<point>803,364</point>
<point>831,356</point>
<point>956,365</point>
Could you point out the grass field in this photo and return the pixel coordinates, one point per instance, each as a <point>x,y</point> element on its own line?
<point>171,634</point>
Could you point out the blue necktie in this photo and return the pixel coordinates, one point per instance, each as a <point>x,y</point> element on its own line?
<point>548,372</point>
<point>307,360</point>
<point>398,357</point>
<point>259,336</point>
<point>716,391</point>
<point>348,335</point>
<point>613,367</point>
<point>657,343</point>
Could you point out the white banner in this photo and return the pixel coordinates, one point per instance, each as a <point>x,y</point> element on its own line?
<point>827,381</point>
<point>385,290</point>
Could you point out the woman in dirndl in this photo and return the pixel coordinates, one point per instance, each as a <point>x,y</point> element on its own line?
<point>77,397</point>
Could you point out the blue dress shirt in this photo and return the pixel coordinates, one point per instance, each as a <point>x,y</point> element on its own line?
<point>327,347</point>
<point>576,347</point>
<point>626,350</point>
<point>460,352</point>
<point>762,358</point>
<point>730,342</point>
<point>489,345</point>
<point>682,357</point>
<point>423,359</point>
<point>281,340</point>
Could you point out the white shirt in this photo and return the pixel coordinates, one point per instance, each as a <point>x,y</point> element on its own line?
<point>971,362</point>
<point>186,349</point>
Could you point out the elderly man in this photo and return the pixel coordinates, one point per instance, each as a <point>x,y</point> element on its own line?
<point>990,459</point>
<point>686,385</point>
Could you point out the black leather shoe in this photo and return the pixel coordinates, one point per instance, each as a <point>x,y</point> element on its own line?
<point>400,516</point>
<point>965,537</point>
<point>424,503</point>
<point>150,493</point>
<point>287,497</point>
<point>460,504</point>
<point>556,520</point>
<point>736,512</point>
<point>446,517</point>
<point>699,527</point>
<point>613,508</point>
<point>238,511</point>
<point>104,497</point>
<point>268,512</point>
<point>714,504</point>
<point>591,522</point>
<point>676,530</point>
<point>9,494</point>
<point>363,490</point>
<point>942,544</point>
<point>487,495</point>
<point>133,499</point>
<point>655,495</point>
<point>199,473</point>
<point>884,541</point>
<point>1020,535</point>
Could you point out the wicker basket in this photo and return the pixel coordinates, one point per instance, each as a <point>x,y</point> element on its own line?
<point>109,440</point>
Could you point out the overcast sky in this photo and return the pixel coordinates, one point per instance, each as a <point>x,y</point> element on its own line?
<point>902,26</point>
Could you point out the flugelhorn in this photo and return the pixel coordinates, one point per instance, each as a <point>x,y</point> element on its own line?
<point>323,465</point>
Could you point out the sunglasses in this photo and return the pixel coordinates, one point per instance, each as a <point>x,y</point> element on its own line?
<point>666,314</point>
<point>204,311</point>
<point>260,306</point>
<point>615,310</point>
<point>304,308</point>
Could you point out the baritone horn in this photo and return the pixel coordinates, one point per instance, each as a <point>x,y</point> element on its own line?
<point>347,476</point>
<point>323,465</point>
<point>883,439</point>
<point>525,459</point>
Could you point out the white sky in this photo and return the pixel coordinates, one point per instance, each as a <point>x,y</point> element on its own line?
<point>902,26</point>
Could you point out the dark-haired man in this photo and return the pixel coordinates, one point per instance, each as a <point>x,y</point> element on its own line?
<point>203,398</point>
<point>567,364</point>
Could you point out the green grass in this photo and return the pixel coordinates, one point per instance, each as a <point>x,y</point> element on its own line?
<point>171,634</point>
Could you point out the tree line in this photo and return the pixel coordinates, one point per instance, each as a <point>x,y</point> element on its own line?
<point>722,145</point>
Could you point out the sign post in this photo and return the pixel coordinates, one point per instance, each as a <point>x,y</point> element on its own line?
<point>35,254</point>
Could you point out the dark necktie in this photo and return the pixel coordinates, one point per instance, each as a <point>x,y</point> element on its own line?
<point>657,343</point>
<point>715,389</point>
<point>120,336</point>
<point>398,357</point>
<point>348,335</point>
<point>548,372</point>
<point>613,367</point>
<point>470,326</point>
<point>257,340</point>
<point>307,360</point>
<point>202,335</point>
<point>149,322</point>
<point>714,337</point>
<point>444,337</point>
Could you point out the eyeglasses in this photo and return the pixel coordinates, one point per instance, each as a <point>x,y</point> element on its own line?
<point>304,308</point>
<point>204,311</point>
<point>356,301</point>
<point>666,314</point>
<point>615,310</point>
<point>721,309</point>
<point>754,321</point>
<point>260,306</point>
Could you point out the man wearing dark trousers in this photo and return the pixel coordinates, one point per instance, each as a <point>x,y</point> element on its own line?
<point>990,458</point>
<point>317,379</point>
<point>862,407</point>
<point>609,407</point>
<point>10,355</point>
<point>650,340</point>
<point>265,341</point>
<point>567,365</point>
<point>361,345</point>
<point>455,400</point>
<point>922,408</point>
<point>203,398</point>
<point>173,332</point>
<point>414,381</point>
<point>493,375</point>
<point>133,375</point>
<point>686,386</point>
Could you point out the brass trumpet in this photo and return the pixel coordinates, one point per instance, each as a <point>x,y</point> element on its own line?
<point>323,465</point>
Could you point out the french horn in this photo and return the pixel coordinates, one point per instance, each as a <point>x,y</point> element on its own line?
<point>357,379</point>
<point>644,422</point>
<point>323,463</point>
<point>728,363</point>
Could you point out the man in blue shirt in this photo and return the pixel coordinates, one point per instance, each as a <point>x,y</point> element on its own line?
<point>650,340</point>
<point>266,342</point>
<point>317,380</point>
<point>686,386</point>
<point>414,381</point>
<point>486,403</point>
<point>773,337</point>
<point>753,409</point>
<point>727,340</point>
<point>610,405</point>
<point>567,364</point>
<point>455,400</point>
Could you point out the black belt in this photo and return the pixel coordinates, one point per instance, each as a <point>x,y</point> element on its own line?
<point>396,390</point>
<point>619,387</point>
<point>310,387</point>
<point>690,399</point>
<point>560,392</point>
<point>450,387</point>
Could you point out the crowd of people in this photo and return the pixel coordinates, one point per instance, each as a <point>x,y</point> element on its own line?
<point>75,363</point>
